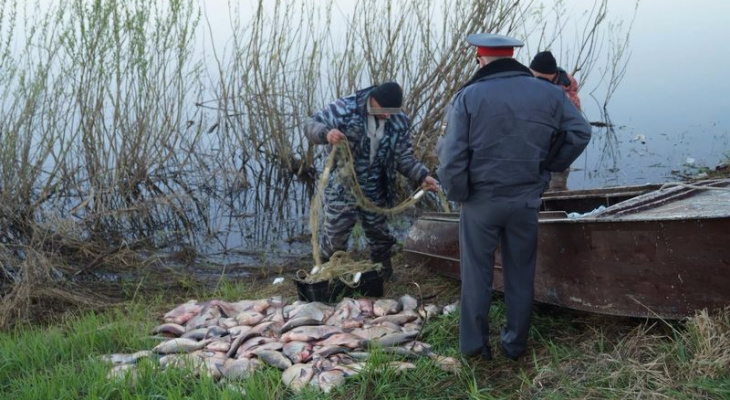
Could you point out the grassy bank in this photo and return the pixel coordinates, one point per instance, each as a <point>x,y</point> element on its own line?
<point>572,355</point>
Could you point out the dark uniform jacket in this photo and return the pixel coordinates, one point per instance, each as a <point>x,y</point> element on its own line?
<point>499,130</point>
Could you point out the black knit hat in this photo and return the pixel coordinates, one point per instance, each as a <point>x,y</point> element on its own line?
<point>388,95</point>
<point>544,62</point>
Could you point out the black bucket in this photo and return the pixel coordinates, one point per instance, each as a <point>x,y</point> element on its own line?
<point>371,285</point>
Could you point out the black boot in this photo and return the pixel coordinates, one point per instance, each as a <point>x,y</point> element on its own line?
<point>387,270</point>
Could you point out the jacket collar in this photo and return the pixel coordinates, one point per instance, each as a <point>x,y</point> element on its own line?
<point>499,66</point>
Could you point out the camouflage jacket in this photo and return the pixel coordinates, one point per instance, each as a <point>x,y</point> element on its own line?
<point>395,152</point>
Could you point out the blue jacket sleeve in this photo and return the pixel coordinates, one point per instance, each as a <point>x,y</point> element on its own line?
<point>453,152</point>
<point>577,135</point>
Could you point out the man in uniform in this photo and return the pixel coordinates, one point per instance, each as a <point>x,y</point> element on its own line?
<point>377,132</point>
<point>494,160</point>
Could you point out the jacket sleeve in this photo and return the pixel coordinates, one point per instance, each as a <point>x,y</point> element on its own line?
<point>577,135</point>
<point>406,162</point>
<point>331,117</point>
<point>453,152</point>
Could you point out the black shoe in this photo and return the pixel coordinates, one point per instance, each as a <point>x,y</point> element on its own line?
<point>511,356</point>
<point>487,353</point>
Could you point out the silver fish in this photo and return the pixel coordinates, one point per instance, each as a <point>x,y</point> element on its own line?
<point>299,321</point>
<point>274,358</point>
<point>297,352</point>
<point>308,333</point>
<point>250,318</point>
<point>408,303</point>
<point>394,339</point>
<point>179,346</point>
<point>241,368</point>
<point>169,329</point>
<point>125,358</point>
<point>383,307</point>
<point>297,376</point>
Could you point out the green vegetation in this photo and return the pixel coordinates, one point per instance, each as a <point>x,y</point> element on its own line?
<point>572,356</point>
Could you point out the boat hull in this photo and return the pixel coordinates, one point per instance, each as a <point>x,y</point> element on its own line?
<point>656,267</point>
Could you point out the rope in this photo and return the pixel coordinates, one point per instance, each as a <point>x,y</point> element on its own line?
<point>340,264</point>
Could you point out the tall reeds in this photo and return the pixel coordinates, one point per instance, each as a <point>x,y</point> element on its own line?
<point>117,133</point>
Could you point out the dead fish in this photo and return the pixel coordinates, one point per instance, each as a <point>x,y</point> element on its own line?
<point>274,358</point>
<point>227,323</point>
<point>183,313</point>
<point>329,380</point>
<point>275,314</point>
<point>253,342</point>
<point>297,376</point>
<point>125,358</point>
<point>215,332</point>
<point>383,307</point>
<point>394,339</point>
<point>373,332</point>
<point>250,318</point>
<point>412,326</point>
<point>219,345</point>
<point>450,364</point>
<point>400,365</point>
<point>179,346</point>
<point>308,333</point>
<point>297,352</point>
<point>241,368</point>
<point>169,329</point>
<point>268,329</point>
<point>123,371</point>
<point>346,309</point>
<point>299,321</point>
<point>276,346</point>
<point>343,339</point>
<point>366,307</point>
<point>314,310</point>
<point>245,333</point>
<point>407,303</point>
<point>429,311</point>
<point>326,351</point>
<point>195,334</point>
<point>208,316</point>
<point>450,308</point>
<point>398,319</point>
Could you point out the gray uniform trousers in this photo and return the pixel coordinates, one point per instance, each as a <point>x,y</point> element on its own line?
<point>483,223</point>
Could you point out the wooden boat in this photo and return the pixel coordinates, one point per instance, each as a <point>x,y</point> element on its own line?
<point>652,252</point>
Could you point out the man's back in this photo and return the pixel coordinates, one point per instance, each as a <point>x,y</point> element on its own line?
<point>510,118</point>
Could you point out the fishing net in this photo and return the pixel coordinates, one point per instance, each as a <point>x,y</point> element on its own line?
<point>340,264</point>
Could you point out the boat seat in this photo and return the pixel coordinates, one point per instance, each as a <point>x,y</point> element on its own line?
<point>552,215</point>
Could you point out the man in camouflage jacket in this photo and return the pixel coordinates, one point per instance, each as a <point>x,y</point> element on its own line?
<point>377,133</point>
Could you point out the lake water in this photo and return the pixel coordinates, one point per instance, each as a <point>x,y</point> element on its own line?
<point>671,112</point>
<point>673,107</point>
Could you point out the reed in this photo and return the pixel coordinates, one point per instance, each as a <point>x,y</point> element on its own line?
<point>126,128</point>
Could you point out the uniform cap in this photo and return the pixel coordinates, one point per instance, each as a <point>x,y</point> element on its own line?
<point>492,44</point>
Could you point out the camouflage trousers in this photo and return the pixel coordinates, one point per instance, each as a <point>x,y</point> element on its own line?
<point>341,213</point>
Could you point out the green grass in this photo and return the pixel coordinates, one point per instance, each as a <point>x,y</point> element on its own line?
<point>571,356</point>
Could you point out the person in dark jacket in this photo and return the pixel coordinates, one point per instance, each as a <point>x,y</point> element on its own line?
<point>544,66</point>
<point>493,159</point>
<point>377,133</point>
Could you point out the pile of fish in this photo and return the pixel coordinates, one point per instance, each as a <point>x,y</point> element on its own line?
<point>313,343</point>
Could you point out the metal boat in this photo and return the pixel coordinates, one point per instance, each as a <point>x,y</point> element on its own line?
<point>643,251</point>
